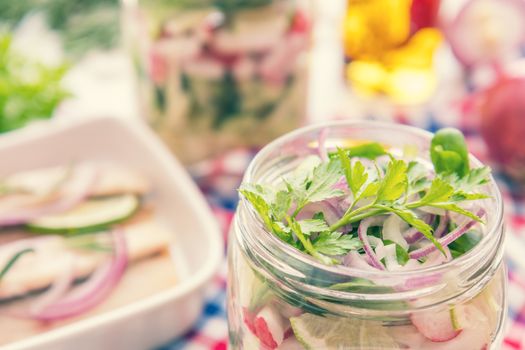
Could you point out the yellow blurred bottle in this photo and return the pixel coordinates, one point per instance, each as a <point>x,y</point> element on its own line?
<point>384,57</point>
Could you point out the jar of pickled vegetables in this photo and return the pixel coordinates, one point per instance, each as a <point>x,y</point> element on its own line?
<point>218,74</point>
<point>359,236</point>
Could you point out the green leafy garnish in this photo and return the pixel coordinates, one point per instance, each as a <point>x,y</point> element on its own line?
<point>390,186</point>
<point>401,254</point>
<point>13,260</point>
<point>28,90</point>
<point>449,154</point>
<point>335,243</point>
<point>395,182</point>
<point>370,150</point>
<point>464,243</point>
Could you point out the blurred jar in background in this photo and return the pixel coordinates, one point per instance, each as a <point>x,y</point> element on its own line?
<point>389,48</point>
<point>218,74</point>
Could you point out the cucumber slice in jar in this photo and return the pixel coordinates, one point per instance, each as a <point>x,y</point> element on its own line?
<point>91,215</point>
<point>330,332</point>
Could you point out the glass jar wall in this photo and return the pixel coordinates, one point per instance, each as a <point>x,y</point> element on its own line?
<point>217,74</point>
<point>279,298</point>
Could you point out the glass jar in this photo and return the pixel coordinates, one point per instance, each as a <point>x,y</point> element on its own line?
<point>279,297</point>
<point>218,74</point>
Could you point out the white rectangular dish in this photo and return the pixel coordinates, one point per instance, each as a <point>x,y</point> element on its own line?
<point>154,320</point>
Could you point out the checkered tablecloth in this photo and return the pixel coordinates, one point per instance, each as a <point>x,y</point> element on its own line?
<point>220,178</point>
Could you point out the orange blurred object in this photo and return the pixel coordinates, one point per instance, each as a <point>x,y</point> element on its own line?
<point>373,26</point>
<point>385,58</point>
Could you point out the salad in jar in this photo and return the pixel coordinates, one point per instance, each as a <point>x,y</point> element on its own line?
<point>367,245</point>
<point>218,74</point>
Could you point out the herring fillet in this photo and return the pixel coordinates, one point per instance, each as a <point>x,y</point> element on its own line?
<point>112,179</point>
<point>35,271</point>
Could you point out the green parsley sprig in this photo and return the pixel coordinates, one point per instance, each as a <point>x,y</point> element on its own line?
<point>402,189</point>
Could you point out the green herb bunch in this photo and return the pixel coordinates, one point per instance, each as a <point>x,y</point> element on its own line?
<point>28,90</point>
<point>391,186</point>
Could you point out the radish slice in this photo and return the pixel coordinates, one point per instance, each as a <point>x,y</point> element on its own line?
<point>363,236</point>
<point>249,319</point>
<point>437,326</point>
<point>300,23</point>
<point>288,311</point>
<point>290,344</point>
<point>475,335</point>
<point>487,31</point>
<point>269,327</point>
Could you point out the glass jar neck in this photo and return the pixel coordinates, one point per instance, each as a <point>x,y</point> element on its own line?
<point>344,290</point>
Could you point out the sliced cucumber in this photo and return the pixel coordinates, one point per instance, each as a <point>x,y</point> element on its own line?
<point>91,215</point>
<point>331,333</point>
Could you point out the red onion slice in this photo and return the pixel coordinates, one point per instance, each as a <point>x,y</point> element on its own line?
<point>92,292</point>
<point>442,226</point>
<point>446,240</point>
<point>331,212</point>
<point>354,259</point>
<point>363,236</point>
<point>437,258</point>
<point>73,192</point>
<point>59,287</point>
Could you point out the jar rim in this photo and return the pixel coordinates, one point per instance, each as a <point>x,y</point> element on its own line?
<point>491,231</point>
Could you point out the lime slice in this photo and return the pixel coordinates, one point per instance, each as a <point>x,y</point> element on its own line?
<point>330,332</point>
<point>91,215</point>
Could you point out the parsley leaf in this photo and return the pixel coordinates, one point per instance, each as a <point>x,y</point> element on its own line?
<point>259,203</point>
<point>281,205</point>
<point>319,186</point>
<point>449,154</point>
<point>370,150</point>
<point>395,182</point>
<point>440,191</point>
<point>336,243</point>
<point>356,175</point>
<point>310,226</point>
<point>457,209</point>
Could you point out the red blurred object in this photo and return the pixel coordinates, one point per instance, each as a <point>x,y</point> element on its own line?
<point>300,23</point>
<point>423,14</point>
<point>158,67</point>
<point>502,125</point>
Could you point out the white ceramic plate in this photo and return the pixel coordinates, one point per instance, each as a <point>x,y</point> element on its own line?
<point>154,320</point>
